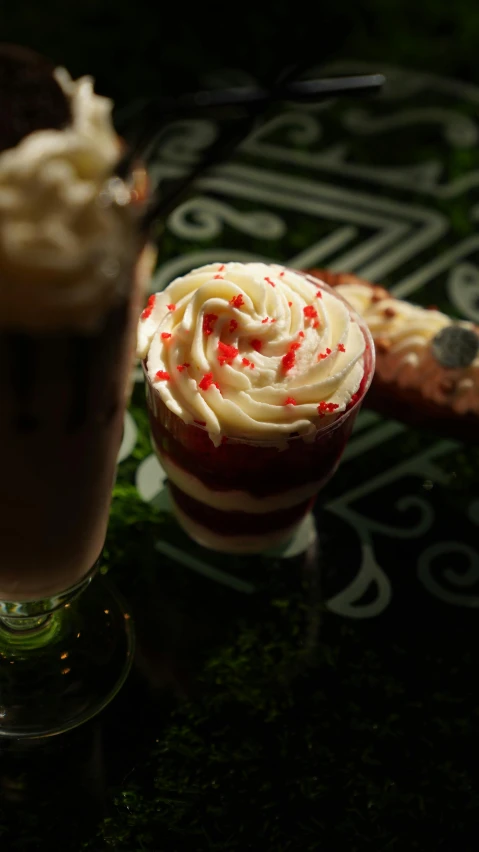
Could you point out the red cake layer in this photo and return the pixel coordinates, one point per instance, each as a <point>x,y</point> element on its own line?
<point>239,523</point>
<point>260,470</point>
<point>244,467</point>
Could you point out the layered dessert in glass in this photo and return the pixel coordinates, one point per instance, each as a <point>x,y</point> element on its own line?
<point>254,376</point>
<point>69,300</point>
<point>72,270</point>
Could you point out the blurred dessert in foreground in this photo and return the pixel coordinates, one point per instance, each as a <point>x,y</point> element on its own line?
<point>427,364</point>
<point>254,376</point>
<point>66,237</point>
<point>69,301</point>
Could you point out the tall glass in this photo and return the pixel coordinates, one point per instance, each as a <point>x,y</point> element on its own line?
<point>246,496</point>
<point>63,395</point>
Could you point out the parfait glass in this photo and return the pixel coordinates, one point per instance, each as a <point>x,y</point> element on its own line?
<point>66,639</point>
<point>248,496</point>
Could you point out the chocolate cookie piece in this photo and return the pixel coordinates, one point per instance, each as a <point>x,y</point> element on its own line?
<point>30,97</point>
<point>427,364</point>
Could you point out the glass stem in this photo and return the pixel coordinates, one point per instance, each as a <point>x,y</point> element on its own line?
<point>34,623</point>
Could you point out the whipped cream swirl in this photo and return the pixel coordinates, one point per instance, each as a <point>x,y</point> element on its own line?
<point>65,229</point>
<point>407,328</point>
<point>252,351</point>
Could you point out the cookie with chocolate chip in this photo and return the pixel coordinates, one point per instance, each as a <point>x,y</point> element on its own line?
<point>427,364</point>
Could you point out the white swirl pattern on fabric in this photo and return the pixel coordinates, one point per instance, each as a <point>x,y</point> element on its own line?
<point>229,344</point>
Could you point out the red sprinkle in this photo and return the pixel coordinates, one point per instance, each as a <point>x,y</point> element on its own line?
<point>149,307</point>
<point>226,353</point>
<point>209,321</point>
<point>288,361</point>
<point>181,367</point>
<point>165,335</point>
<point>220,268</point>
<point>200,422</point>
<point>323,355</point>
<point>251,366</point>
<point>266,319</point>
<point>281,274</point>
<point>275,319</point>
<point>171,307</point>
<point>207,381</point>
<point>316,324</point>
<point>326,408</point>
<point>270,282</point>
<point>310,312</point>
<point>257,344</point>
<point>245,362</point>
<point>301,334</point>
<point>341,347</point>
<point>237,301</point>
<point>233,325</point>
<point>290,304</point>
<point>290,401</point>
<point>218,276</point>
<point>319,295</point>
<point>162,374</point>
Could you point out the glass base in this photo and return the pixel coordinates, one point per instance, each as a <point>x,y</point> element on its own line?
<point>60,669</point>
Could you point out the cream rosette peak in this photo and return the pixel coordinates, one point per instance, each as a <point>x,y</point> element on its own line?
<point>251,351</point>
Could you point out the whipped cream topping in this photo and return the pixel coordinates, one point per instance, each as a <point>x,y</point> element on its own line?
<point>406,327</point>
<point>252,351</point>
<point>65,225</point>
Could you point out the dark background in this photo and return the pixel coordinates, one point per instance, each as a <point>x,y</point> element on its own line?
<point>398,746</point>
<point>147,46</point>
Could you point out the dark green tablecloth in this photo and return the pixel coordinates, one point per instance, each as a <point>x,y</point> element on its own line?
<point>326,697</point>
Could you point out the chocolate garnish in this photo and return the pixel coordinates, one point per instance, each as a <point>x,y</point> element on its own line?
<point>30,97</point>
<point>455,346</point>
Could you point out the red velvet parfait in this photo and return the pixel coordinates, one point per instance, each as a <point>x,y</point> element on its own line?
<point>239,493</point>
